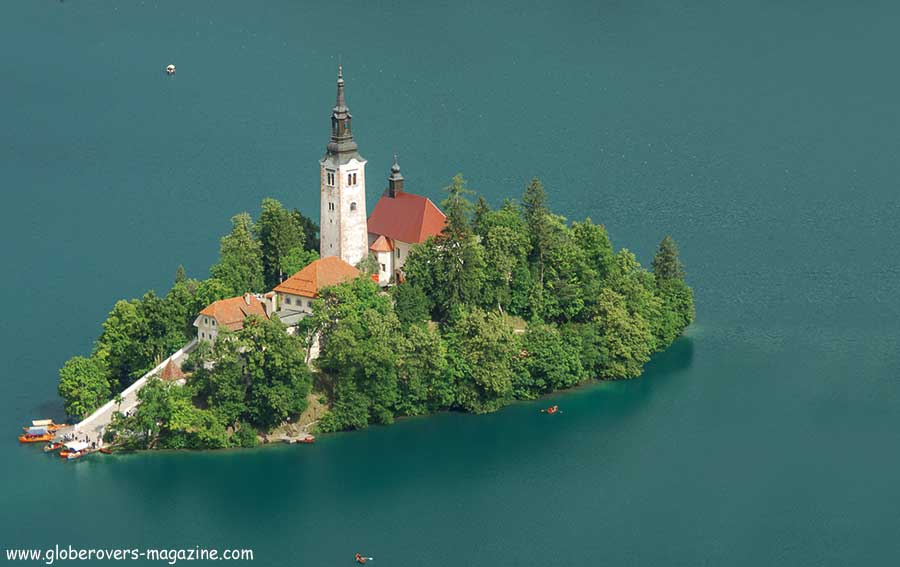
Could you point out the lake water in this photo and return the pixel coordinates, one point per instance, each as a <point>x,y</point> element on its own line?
<point>763,136</point>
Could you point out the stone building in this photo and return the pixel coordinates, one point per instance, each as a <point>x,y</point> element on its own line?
<point>343,189</point>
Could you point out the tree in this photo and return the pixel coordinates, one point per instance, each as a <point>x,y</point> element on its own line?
<point>449,271</point>
<point>280,233</point>
<point>482,348</point>
<point>357,355</point>
<point>240,265</point>
<point>551,361</point>
<point>310,230</point>
<point>410,303</point>
<point>457,208</point>
<point>626,338</point>
<point>423,381</point>
<point>180,274</point>
<point>536,215</point>
<point>482,210</point>
<point>83,385</point>
<point>666,265</point>
<point>209,291</point>
<point>118,346</point>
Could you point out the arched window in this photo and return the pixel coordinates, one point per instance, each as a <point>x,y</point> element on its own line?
<point>353,206</point>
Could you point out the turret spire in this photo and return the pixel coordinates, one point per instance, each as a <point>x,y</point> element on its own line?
<point>395,180</point>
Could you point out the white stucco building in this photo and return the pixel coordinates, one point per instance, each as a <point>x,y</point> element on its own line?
<point>230,314</point>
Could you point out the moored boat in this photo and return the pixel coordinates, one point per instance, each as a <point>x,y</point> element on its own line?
<point>50,447</point>
<point>35,435</point>
<point>47,424</point>
<point>74,450</point>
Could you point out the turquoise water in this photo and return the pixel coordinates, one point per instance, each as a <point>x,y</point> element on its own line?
<point>762,136</point>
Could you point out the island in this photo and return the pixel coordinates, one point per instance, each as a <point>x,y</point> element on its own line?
<point>359,320</point>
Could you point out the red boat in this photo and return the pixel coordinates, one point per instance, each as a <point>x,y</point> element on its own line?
<point>551,409</point>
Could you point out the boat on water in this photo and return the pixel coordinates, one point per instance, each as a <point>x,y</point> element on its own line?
<point>36,435</point>
<point>50,447</point>
<point>75,450</point>
<point>48,424</point>
<point>550,410</point>
<point>106,451</point>
<point>294,440</point>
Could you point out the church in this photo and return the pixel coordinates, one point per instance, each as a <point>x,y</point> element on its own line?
<point>399,219</point>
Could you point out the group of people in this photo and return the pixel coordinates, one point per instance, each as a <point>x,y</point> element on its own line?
<point>93,442</point>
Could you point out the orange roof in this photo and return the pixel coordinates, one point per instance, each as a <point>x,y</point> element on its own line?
<point>381,244</point>
<point>172,371</point>
<point>230,313</point>
<point>324,272</point>
<point>407,218</point>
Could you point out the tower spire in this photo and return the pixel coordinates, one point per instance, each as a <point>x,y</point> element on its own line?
<point>341,131</point>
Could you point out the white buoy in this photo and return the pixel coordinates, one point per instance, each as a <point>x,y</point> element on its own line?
<point>170,69</point>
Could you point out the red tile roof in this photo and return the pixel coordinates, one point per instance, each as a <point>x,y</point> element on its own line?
<point>408,218</point>
<point>381,244</point>
<point>324,272</point>
<point>172,371</point>
<point>230,313</point>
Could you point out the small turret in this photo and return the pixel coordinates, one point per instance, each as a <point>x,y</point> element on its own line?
<point>395,180</point>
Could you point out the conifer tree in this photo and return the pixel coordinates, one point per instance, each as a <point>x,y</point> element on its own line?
<point>240,264</point>
<point>666,265</point>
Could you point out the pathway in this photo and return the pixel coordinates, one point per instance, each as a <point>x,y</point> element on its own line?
<point>95,424</point>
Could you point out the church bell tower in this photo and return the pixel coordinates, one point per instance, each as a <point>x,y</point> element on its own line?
<point>342,218</point>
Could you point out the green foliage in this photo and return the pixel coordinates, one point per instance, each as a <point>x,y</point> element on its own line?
<point>310,230</point>
<point>450,272</point>
<point>482,350</point>
<point>258,375</point>
<point>666,265</point>
<point>140,333</point>
<point>281,234</point>
<point>551,360</point>
<point>244,436</point>
<point>410,303</point>
<point>626,337</point>
<point>368,265</point>
<point>83,385</point>
<point>358,355</point>
<point>457,207</point>
<point>240,265</point>
<point>423,380</point>
<point>167,419</point>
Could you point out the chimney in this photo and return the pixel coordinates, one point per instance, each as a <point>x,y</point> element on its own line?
<point>247,298</point>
